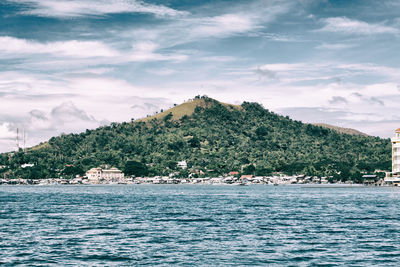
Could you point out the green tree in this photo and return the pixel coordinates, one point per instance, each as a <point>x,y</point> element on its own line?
<point>136,168</point>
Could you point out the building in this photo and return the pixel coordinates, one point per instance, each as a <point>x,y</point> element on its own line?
<point>393,178</point>
<point>248,177</point>
<point>27,165</point>
<point>370,179</point>
<point>97,175</point>
<point>396,153</point>
<point>182,164</point>
<point>393,181</point>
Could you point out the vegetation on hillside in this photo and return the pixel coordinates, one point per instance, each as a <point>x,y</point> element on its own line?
<point>213,138</point>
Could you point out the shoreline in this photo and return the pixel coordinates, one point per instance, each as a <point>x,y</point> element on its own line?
<point>305,186</point>
<point>304,181</point>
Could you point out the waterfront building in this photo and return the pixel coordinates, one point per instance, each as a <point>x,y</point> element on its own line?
<point>248,177</point>
<point>396,153</point>
<point>393,178</point>
<point>96,175</point>
<point>370,179</point>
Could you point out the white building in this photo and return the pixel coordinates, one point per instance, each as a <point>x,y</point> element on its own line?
<point>27,165</point>
<point>182,164</point>
<point>396,153</point>
<point>97,175</point>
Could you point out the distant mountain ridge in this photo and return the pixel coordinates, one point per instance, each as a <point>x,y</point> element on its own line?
<point>341,129</point>
<point>213,138</point>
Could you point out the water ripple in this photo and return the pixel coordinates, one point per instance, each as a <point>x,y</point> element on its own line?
<point>198,225</point>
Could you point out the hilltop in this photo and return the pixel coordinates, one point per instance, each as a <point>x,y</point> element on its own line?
<point>186,109</point>
<point>213,138</point>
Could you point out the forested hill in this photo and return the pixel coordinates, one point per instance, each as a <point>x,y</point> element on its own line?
<point>213,138</point>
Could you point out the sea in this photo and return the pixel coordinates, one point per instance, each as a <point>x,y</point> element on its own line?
<point>199,225</point>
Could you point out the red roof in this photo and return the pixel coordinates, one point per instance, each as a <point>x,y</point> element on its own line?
<point>233,173</point>
<point>246,176</point>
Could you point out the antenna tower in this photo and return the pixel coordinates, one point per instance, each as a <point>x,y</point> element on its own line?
<point>24,140</point>
<point>17,140</point>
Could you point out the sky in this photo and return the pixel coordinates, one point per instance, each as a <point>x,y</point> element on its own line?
<point>69,65</point>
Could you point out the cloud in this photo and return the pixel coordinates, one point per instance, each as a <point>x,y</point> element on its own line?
<point>67,111</point>
<point>217,58</point>
<point>148,106</point>
<point>329,72</point>
<point>79,8</point>
<point>79,55</point>
<point>145,51</point>
<point>277,37</point>
<point>162,71</point>
<point>338,100</point>
<point>337,46</point>
<point>370,100</point>
<point>349,26</point>
<point>38,114</point>
<point>6,132</point>
<point>223,25</point>
<point>236,19</point>
<point>264,72</point>
<point>77,49</point>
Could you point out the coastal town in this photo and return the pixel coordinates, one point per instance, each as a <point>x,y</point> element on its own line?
<point>115,176</point>
<point>96,176</point>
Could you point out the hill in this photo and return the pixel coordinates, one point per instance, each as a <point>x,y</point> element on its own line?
<point>214,138</point>
<point>341,129</point>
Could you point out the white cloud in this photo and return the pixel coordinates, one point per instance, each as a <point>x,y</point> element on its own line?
<point>217,58</point>
<point>68,112</point>
<point>237,20</point>
<point>5,132</point>
<point>221,26</point>
<point>78,8</point>
<point>79,54</point>
<point>146,51</point>
<point>337,46</point>
<point>162,72</point>
<point>77,49</point>
<point>330,72</point>
<point>350,26</point>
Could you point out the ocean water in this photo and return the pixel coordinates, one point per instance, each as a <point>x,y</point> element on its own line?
<point>194,225</point>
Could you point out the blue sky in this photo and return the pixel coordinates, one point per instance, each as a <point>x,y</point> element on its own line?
<point>68,65</point>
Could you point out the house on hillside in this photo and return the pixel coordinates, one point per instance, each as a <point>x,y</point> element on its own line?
<point>182,164</point>
<point>27,165</point>
<point>233,173</point>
